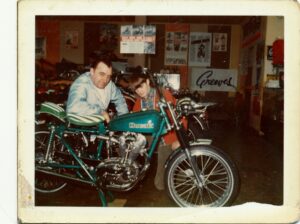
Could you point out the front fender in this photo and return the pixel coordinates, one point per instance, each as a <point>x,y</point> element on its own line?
<point>200,141</point>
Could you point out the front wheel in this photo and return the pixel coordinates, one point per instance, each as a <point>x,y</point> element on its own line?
<point>220,180</point>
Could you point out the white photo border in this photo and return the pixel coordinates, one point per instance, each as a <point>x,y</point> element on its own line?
<point>249,212</point>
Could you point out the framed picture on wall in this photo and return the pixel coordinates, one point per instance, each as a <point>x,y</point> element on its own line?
<point>176,44</point>
<point>40,47</point>
<point>108,37</point>
<point>200,49</point>
<point>219,41</point>
<point>71,39</point>
<point>138,39</point>
<point>269,53</point>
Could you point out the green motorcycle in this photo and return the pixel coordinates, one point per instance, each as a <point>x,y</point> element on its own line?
<point>116,156</point>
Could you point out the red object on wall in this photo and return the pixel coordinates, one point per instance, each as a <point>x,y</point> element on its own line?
<point>278,54</point>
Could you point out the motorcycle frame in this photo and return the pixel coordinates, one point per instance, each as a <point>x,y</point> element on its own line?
<point>102,134</point>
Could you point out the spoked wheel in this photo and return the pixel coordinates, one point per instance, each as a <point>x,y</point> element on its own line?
<point>45,183</point>
<point>220,181</point>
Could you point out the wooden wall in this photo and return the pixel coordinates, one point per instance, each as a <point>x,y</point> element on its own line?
<point>51,30</point>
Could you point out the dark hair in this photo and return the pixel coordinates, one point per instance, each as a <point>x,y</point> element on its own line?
<point>135,80</point>
<point>106,59</point>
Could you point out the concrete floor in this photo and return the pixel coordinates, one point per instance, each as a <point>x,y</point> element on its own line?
<point>260,165</point>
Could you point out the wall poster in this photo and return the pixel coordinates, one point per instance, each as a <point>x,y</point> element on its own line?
<point>108,37</point>
<point>203,79</point>
<point>200,49</point>
<point>176,44</point>
<point>219,41</point>
<point>138,39</point>
<point>71,39</point>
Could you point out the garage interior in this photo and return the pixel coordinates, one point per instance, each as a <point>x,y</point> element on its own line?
<point>247,124</point>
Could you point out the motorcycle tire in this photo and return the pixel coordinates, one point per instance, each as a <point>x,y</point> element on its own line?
<point>219,174</point>
<point>45,183</point>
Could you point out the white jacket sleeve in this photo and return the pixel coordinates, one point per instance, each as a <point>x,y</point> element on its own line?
<point>77,100</point>
<point>119,100</point>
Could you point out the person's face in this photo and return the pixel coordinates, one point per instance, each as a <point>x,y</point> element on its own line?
<point>101,75</point>
<point>143,89</point>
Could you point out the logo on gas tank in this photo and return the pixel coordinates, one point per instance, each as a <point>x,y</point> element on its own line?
<point>141,126</point>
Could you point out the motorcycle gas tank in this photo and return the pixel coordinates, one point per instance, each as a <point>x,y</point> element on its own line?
<point>144,122</point>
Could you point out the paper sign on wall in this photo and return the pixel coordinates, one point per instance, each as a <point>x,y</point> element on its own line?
<point>200,49</point>
<point>176,46</point>
<point>71,39</point>
<point>203,79</point>
<point>138,39</point>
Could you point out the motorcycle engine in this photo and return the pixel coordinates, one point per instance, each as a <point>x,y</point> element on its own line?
<point>122,173</point>
<point>131,144</point>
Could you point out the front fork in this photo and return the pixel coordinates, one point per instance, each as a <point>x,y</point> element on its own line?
<point>185,145</point>
<point>184,142</point>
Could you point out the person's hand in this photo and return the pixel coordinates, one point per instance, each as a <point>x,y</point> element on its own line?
<point>106,116</point>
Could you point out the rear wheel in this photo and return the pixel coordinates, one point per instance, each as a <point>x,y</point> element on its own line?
<point>46,183</point>
<point>220,181</point>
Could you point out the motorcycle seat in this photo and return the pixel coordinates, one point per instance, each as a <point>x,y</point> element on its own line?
<point>85,120</point>
<point>60,113</point>
<point>54,110</point>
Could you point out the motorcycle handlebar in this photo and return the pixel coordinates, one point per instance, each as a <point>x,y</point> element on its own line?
<point>203,105</point>
<point>196,107</point>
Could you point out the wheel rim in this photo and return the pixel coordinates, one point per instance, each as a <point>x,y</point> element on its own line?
<point>46,185</point>
<point>217,179</point>
<point>43,183</point>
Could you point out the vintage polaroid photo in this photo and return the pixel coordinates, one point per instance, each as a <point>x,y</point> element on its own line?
<point>238,159</point>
